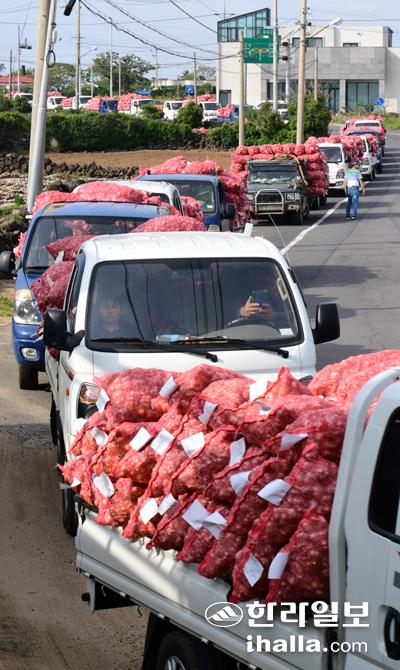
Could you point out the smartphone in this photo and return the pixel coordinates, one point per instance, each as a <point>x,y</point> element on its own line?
<point>260,296</point>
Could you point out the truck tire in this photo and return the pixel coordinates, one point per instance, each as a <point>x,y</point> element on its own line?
<point>28,378</point>
<point>297,218</point>
<point>69,515</point>
<point>379,168</point>
<point>180,652</point>
<point>53,422</point>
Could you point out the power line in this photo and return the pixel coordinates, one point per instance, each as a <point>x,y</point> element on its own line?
<point>192,17</point>
<point>156,30</point>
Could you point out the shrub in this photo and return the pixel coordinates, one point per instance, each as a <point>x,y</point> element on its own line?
<point>224,136</point>
<point>14,130</point>
<point>191,115</point>
<point>149,112</point>
<point>5,103</point>
<point>21,105</point>
<point>316,116</point>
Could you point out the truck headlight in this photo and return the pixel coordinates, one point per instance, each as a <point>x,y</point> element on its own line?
<point>250,196</point>
<point>340,174</point>
<point>88,395</point>
<point>292,196</point>
<point>24,308</point>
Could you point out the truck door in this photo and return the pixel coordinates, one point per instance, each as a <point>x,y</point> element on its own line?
<point>372,529</point>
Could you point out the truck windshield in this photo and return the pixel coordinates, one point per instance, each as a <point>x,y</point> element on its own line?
<point>196,301</point>
<point>203,191</point>
<point>176,105</point>
<point>58,101</point>
<point>370,124</point>
<point>50,228</point>
<point>211,105</point>
<point>274,174</point>
<point>141,103</point>
<point>112,105</point>
<point>333,154</point>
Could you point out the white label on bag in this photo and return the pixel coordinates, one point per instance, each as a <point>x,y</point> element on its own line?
<point>162,441</point>
<point>75,482</point>
<point>100,436</point>
<point>79,424</point>
<point>149,510</point>
<point>264,409</point>
<point>104,484</point>
<point>275,491</point>
<point>168,388</point>
<point>253,570</point>
<point>102,400</point>
<point>192,445</point>
<point>208,409</point>
<point>166,503</point>
<point>288,440</point>
<point>278,565</point>
<point>238,449</point>
<point>258,388</point>
<point>59,257</point>
<point>50,281</point>
<point>240,481</point>
<point>141,438</point>
<point>215,523</point>
<point>195,515</point>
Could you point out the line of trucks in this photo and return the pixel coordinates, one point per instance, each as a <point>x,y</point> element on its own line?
<point>178,273</point>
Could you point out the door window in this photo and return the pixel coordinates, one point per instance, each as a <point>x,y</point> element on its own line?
<point>73,293</point>
<point>384,508</point>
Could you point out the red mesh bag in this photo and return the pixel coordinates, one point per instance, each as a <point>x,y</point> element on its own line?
<point>48,197</point>
<point>306,576</point>
<point>198,542</point>
<point>220,489</point>
<point>172,529</point>
<point>75,469</point>
<point>18,249</point>
<point>130,393</point>
<point>68,245</point>
<point>192,208</point>
<point>55,296</point>
<point>170,223</point>
<point>117,510</point>
<point>228,395</point>
<point>312,485</point>
<point>109,191</point>
<point>220,559</point>
<point>50,288</point>
<point>118,446</point>
<point>84,437</point>
<point>196,472</point>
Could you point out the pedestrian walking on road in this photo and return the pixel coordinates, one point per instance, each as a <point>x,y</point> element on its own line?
<point>353,183</point>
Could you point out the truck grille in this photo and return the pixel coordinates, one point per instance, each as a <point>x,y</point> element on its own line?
<point>267,198</point>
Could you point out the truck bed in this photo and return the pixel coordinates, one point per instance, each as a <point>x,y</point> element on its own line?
<point>175,590</point>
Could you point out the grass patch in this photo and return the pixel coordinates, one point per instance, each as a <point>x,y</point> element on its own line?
<point>392,122</point>
<point>6,306</point>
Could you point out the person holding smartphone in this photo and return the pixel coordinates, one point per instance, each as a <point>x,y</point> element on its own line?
<point>258,304</point>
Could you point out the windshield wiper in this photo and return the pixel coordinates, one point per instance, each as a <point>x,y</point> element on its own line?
<point>162,347</point>
<point>36,267</point>
<point>243,344</point>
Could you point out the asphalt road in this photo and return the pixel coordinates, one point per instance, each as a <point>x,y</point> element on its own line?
<point>44,625</point>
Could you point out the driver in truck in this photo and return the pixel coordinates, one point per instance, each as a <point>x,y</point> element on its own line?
<point>111,321</point>
<point>268,301</point>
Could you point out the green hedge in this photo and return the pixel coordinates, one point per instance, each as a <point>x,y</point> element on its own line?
<point>91,131</point>
<point>14,131</point>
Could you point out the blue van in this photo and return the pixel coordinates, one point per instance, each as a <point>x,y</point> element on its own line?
<point>208,190</point>
<point>51,223</point>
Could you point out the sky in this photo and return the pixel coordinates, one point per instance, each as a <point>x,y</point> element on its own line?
<point>168,17</point>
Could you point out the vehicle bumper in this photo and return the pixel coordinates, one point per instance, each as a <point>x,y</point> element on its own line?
<point>25,337</point>
<point>336,183</point>
<point>274,209</point>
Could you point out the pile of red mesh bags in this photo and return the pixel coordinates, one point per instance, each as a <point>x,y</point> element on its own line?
<point>225,112</point>
<point>124,102</point>
<point>66,248</point>
<point>67,102</point>
<point>94,104</point>
<point>309,155</point>
<point>192,207</point>
<point>237,477</point>
<point>170,224</point>
<point>51,287</point>
<point>234,184</point>
<point>48,197</point>
<point>18,249</point>
<point>109,191</point>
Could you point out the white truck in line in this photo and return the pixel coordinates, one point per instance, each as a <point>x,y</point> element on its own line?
<point>360,630</point>
<point>171,109</point>
<point>173,318</point>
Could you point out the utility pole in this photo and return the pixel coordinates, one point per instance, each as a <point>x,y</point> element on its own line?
<point>302,73</point>
<point>241,89</point>
<point>91,81</point>
<point>36,155</point>
<point>275,64</point>
<point>78,55</point>
<point>195,76</point>
<point>119,78</point>
<point>19,61</point>
<point>10,75</point>
<point>35,178</point>
<point>111,60</point>
<point>156,68</point>
<point>316,74</point>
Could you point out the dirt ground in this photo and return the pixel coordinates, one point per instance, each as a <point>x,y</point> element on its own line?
<point>145,158</point>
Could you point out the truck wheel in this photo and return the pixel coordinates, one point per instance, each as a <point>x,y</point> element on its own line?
<point>379,168</point>
<point>374,174</point>
<point>69,515</point>
<point>53,423</point>
<point>297,218</point>
<point>179,652</point>
<point>28,378</point>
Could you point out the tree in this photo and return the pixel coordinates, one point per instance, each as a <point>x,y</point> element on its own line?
<point>191,115</point>
<point>133,71</point>
<point>316,116</point>
<point>204,73</point>
<point>61,77</point>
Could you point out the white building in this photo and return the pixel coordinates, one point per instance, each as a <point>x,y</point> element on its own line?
<point>356,65</point>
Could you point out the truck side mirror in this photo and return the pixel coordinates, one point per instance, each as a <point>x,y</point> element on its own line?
<point>327,324</point>
<point>55,332</point>
<point>7,262</point>
<point>229,211</point>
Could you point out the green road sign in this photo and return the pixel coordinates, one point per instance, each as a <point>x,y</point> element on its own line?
<point>267,32</point>
<point>259,49</point>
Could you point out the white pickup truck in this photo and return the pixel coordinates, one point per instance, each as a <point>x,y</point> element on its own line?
<point>364,557</point>
<point>180,296</point>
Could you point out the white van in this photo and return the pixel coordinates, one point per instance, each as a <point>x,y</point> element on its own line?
<point>368,161</point>
<point>336,159</point>
<point>137,105</point>
<point>54,101</point>
<point>171,109</point>
<point>210,109</point>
